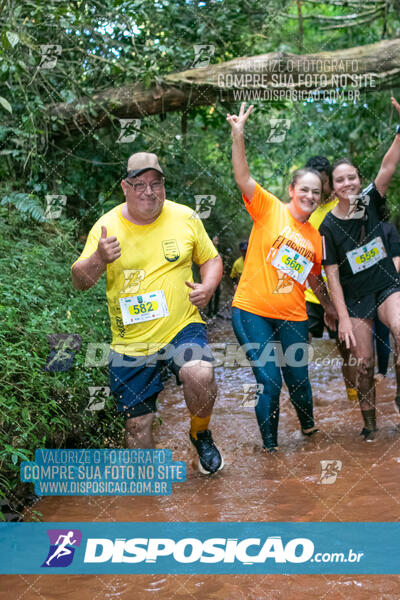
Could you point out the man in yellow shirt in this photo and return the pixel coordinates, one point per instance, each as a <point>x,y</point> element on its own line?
<point>237,268</point>
<point>146,246</point>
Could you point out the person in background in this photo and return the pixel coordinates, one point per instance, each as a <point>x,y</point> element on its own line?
<point>315,312</point>
<point>237,268</point>
<point>381,332</point>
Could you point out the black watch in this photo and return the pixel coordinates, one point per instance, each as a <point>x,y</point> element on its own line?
<point>397,129</point>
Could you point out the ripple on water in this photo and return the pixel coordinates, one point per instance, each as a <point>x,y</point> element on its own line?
<point>254,486</point>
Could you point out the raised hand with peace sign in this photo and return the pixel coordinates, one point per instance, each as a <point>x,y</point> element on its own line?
<point>237,122</point>
<point>241,170</point>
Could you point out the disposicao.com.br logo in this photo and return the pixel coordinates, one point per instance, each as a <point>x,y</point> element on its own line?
<point>247,551</point>
<point>62,547</point>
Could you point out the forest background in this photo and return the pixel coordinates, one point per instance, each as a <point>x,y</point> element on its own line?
<point>98,46</point>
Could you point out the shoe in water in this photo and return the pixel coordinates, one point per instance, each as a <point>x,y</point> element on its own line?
<point>310,433</point>
<point>369,435</point>
<point>271,450</point>
<point>210,459</point>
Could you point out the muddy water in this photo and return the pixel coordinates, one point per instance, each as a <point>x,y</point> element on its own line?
<point>252,487</point>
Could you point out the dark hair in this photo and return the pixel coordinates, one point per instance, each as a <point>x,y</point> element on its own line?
<point>342,161</point>
<point>320,164</point>
<point>301,172</point>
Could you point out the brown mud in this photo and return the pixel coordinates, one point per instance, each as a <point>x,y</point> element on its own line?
<point>252,487</point>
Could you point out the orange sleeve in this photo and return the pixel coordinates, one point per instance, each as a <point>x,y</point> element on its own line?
<point>260,204</point>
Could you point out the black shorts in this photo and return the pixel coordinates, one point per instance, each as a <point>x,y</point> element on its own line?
<point>316,323</point>
<point>367,306</point>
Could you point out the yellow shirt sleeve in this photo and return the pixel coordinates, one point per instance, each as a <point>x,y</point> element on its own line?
<point>320,213</point>
<point>315,220</point>
<point>203,249</point>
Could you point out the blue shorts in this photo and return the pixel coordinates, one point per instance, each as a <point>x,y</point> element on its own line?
<point>136,381</point>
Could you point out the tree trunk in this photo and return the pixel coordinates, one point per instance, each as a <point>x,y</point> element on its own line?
<point>370,67</point>
<point>300,17</point>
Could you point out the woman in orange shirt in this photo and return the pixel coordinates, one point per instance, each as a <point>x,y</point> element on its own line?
<point>269,313</point>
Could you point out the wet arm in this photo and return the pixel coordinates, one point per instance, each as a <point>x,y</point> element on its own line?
<point>390,160</point>
<point>388,166</point>
<point>241,169</point>
<point>317,284</point>
<point>211,273</point>
<point>345,327</point>
<point>87,272</point>
<point>336,290</point>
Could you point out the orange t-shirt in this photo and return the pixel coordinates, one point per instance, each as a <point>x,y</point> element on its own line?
<point>263,289</point>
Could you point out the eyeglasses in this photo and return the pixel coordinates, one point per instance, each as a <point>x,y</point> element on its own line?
<point>141,186</point>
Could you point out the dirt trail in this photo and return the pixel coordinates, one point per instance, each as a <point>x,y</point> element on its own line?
<point>252,487</point>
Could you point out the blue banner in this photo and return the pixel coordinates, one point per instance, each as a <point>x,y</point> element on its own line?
<point>103,472</point>
<point>179,548</point>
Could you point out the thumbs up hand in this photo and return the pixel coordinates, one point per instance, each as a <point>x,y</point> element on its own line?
<point>201,294</point>
<point>108,247</point>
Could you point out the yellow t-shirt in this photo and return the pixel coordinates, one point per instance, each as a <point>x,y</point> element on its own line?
<point>316,219</point>
<point>154,257</point>
<point>237,268</point>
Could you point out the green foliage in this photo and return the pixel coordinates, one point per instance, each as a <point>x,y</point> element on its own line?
<point>40,408</point>
<point>114,43</point>
<point>28,204</point>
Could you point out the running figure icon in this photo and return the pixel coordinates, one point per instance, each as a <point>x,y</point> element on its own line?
<point>62,549</point>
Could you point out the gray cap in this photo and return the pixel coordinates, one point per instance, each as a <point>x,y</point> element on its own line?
<point>143,161</point>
